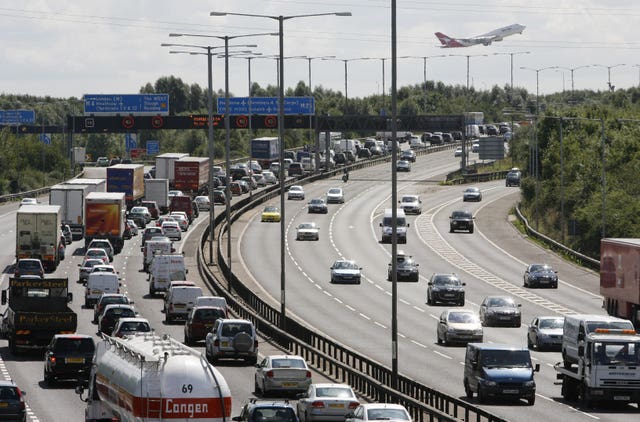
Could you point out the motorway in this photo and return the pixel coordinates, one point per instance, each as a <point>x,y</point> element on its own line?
<point>59,402</point>
<point>490,261</point>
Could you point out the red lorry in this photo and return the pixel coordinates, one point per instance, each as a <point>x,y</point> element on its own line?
<point>191,175</point>
<point>182,203</point>
<point>620,278</point>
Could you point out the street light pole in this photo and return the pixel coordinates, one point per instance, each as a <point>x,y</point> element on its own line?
<point>572,69</point>
<point>511,54</point>
<point>424,70</point>
<point>394,202</point>
<point>346,86</point>
<point>281,20</point>
<point>468,56</point>
<point>611,87</point>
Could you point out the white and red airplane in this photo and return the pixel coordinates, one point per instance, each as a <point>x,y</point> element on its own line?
<point>484,39</point>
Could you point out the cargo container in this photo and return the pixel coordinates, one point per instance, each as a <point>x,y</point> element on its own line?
<point>70,198</point>
<point>165,165</point>
<point>619,278</point>
<point>38,234</point>
<point>157,190</point>
<point>94,173</point>
<point>127,178</point>
<point>191,175</point>
<point>104,218</point>
<point>95,185</point>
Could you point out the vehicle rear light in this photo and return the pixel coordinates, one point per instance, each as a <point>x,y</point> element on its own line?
<point>269,374</point>
<point>317,404</point>
<point>52,359</point>
<point>308,374</point>
<point>353,404</point>
<point>216,343</point>
<point>255,344</point>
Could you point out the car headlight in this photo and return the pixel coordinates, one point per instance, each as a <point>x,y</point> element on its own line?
<point>387,230</point>
<point>488,383</point>
<point>477,332</point>
<point>531,383</point>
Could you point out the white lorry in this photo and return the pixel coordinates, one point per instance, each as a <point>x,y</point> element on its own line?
<point>157,190</point>
<point>146,377</point>
<point>70,198</point>
<point>38,234</point>
<point>608,368</point>
<point>165,165</point>
<point>164,269</point>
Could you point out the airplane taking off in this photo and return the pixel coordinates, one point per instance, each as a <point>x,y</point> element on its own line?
<point>484,39</point>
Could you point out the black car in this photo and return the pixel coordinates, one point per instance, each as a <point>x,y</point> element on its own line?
<point>513,178</point>
<point>317,205</point>
<point>445,288</point>
<point>12,406</point>
<point>406,268</point>
<point>340,158</point>
<point>364,153</point>
<point>540,275</point>
<point>260,411</point>
<point>68,356</point>
<point>111,314</point>
<point>461,220</point>
<point>408,155</point>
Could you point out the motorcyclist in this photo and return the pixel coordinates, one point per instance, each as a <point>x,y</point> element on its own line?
<point>345,176</point>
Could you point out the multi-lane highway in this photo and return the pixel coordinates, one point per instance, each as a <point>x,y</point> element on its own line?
<point>491,261</point>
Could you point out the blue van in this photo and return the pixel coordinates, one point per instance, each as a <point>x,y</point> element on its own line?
<point>499,370</point>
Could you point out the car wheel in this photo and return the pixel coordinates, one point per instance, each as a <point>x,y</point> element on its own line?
<point>256,389</point>
<point>252,360</point>
<point>531,401</point>
<point>429,300</point>
<point>450,229</point>
<point>529,343</point>
<point>445,340</point>
<point>461,303</point>
<point>471,230</point>
<point>555,286</point>
<point>167,318</point>
<point>467,390</point>
<point>439,340</point>
<point>48,378</point>
<point>482,396</point>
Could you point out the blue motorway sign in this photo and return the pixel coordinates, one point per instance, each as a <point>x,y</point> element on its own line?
<point>136,104</point>
<point>153,147</point>
<point>45,138</point>
<point>17,117</point>
<point>130,141</point>
<point>267,105</point>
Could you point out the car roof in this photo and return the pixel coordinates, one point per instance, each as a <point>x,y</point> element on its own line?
<point>118,305</point>
<point>95,249</point>
<point>496,346</point>
<point>132,319</point>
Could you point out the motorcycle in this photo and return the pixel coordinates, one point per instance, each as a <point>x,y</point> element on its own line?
<point>345,177</point>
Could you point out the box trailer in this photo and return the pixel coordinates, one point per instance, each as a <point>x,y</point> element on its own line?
<point>104,218</point>
<point>127,178</point>
<point>157,190</point>
<point>191,175</point>
<point>70,198</point>
<point>165,165</point>
<point>619,284</point>
<point>38,234</point>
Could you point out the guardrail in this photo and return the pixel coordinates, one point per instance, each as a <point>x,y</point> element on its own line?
<point>369,378</point>
<point>585,260</point>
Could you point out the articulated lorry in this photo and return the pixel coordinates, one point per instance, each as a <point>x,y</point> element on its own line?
<point>38,234</point>
<point>608,368</point>
<point>619,283</point>
<point>104,218</point>
<point>37,309</point>
<point>165,165</point>
<point>157,190</point>
<point>145,377</point>
<point>191,175</point>
<point>127,178</point>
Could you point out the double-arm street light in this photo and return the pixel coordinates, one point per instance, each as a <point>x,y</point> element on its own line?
<point>468,56</point>
<point>209,53</point>
<point>538,81</point>
<point>227,130</point>
<point>512,54</point>
<point>424,70</point>
<point>346,84</point>
<point>283,227</point>
<point>573,69</point>
<point>611,87</point>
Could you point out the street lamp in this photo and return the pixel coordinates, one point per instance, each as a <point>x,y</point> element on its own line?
<point>468,56</point>
<point>280,20</point>
<point>512,54</point>
<point>346,95</point>
<point>209,55</point>
<point>538,80</point>
<point>424,69</point>
<point>572,69</point>
<point>611,87</point>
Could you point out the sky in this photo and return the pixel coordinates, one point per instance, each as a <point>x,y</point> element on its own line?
<point>68,48</point>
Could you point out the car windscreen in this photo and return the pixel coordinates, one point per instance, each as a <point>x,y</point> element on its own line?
<point>506,358</point>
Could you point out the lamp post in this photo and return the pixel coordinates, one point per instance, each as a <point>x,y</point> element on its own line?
<point>611,87</point>
<point>346,85</point>
<point>538,81</point>
<point>209,55</point>
<point>424,69</point>
<point>280,20</point>
<point>573,69</point>
<point>511,61</point>
<point>468,56</point>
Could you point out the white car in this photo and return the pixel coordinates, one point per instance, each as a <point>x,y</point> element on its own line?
<point>131,326</point>
<point>173,193</point>
<point>259,179</point>
<point>232,338</point>
<point>172,230</point>
<point>182,219</point>
<point>98,253</point>
<point>269,177</point>
<point>326,402</point>
<point>29,201</point>
<point>203,203</point>
<point>335,196</point>
<point>307,231</point>
<point>379,412</point>
<point>295,192</point>
<point>282,373</point>
<point>458,152</point>
<point>459,326</point>
<point>403,165</point>
<point>144,211</point>
<point>345,271</point>
<point>411,204</point>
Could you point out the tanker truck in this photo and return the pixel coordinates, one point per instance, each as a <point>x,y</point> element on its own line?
<point>147,378</point>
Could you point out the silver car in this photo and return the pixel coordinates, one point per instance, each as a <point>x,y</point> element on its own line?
<point>326,402</point>
<point>307,231</point>
<point>545,332</point>
<point>500,310</point>
<point>282,373</point>
<point>459,326</point>
<point>345,271</point>
<point>472,194</point>
<point>411,204</point>
<point>335,196</point>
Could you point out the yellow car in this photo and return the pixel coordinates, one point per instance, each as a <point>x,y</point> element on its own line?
<point>271,213</point>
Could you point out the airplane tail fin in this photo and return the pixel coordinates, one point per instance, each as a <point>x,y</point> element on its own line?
<point>444,40</point>
<point>447,41</point>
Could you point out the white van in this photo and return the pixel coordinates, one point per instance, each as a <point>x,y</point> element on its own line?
<point>99,283</point>
<point>215,301</point>
<point>152,247</point>
<point>164,269</point>
<point>387,222</point>
<point>577,327</point>
<point>179,301</point>
<point>415,142</point>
